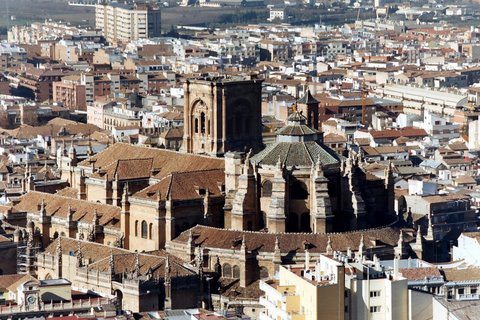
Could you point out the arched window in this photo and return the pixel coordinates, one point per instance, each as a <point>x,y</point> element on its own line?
<point>236,272</point>
<point>150,231</point>
<point>136,228</point>
<point>263,273</point>
<point>298,190</point>
<point>305,222</point>
<point>227,270</point>
<point>196,125</point>
<point>292,222</point>
<point>202,122</point>
<point>218,269</point>
<point>144,230</point>
<point>267,189</point>
<point>55,235</point>
<point>238,124</point>
<point>246,126</point>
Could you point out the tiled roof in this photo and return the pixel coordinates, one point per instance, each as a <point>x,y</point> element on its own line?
<point>296,154</point>
<point>57,206</point>
<point>298,130</point>
<point>455,274</point>
<point>7,280</point>
<point>211,237</point>
<point>127,169</point>
<point>334,138</point>
<point>420,273</point>
<point>98,256</point>
<point>182,185</point>
<point>165,161</point>
<point>68,192</point>
<point>403,132</point>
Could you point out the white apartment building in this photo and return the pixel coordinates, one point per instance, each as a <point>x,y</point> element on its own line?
<point>277,13</point>
<point>126,22</point>
<point>416,99</point>
<point>438,127</point>
<point>336,287</point>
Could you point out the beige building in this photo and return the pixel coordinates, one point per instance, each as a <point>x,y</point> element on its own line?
<point>125,22</point>
<point>139,281</point>
<point>337,286</point>
<point>302,293</point>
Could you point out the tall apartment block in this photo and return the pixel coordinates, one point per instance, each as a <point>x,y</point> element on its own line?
<point>125,22</point>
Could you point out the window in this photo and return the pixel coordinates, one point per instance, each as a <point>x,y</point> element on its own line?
<point>227,270</point>
<point>202,122</point>
<point>196,125</point>
<point>374,309</point>
<point>267,188</point>
<point>236,272</point>
<point>374,294</point>
<point>461,291</point>
<point>144,230</point>
<point>136,228</point>
<point>150,231</point>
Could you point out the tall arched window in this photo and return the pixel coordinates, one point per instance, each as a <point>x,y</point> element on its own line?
<point>150,231</point>
<point>246,126</point>
<point>298,190</point>
<point>238,124</point>
<point>227,270</point>
<point>196,125</point>
<point>267,188</point>
<point>202,122</point>
<point>236,272</point>
<point>136,228</point>
<point>144,230</point>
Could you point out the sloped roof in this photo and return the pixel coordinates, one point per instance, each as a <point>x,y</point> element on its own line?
<point>211,237</point>
<point>165,161</point>
<point>57,205</point>
<point>304,154</point>
<point>182,185</point>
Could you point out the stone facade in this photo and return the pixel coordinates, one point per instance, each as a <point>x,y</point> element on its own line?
<point>222,115</point>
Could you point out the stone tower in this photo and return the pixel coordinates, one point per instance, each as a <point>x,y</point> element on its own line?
<point>222,115</point>
<point>308,105</point>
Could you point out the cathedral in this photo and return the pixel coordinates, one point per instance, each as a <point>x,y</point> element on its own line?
<point>297,183</point>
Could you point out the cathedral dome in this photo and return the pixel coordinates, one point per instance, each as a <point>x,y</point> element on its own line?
<point>297,145</point>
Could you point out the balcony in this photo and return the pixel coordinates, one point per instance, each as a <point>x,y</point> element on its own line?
<point>469,296</point>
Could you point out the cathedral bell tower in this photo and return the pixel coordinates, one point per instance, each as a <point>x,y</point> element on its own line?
<point>222,115</point>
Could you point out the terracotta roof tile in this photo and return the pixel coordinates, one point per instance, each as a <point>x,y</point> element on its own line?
<point>57,206</point>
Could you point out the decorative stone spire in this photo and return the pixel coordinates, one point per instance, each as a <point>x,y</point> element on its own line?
<point>79,255</point>
<point>409,217</point>
<point>168,284</point>
<point>418,238</point>
<point>58,249</point>
<point>111,263</point>
<point>361,247</point>
<point>329,249</point>
<point>279,165</point>
<point>277,254</point>
<point>69,213</point>
<point>43,210</point>
<point>247,167</point>
<point>96,218</point>
<point>430,235</point>
<point>399,249</point>
<point>243,248</point>
<point>136,270</point>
